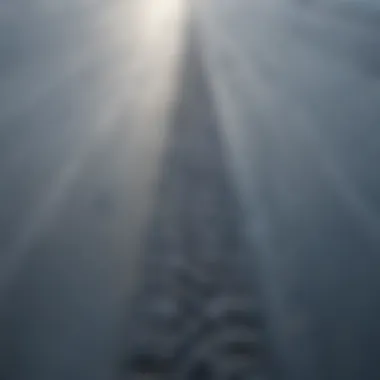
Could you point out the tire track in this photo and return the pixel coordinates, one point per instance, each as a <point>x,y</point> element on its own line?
<point>195,318</point>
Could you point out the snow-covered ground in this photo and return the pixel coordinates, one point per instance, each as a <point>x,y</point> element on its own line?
<point>85,86</point>
<point>297,84</point>
<point>84,90</point>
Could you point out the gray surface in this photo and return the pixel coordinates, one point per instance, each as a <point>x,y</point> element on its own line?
<point>298,88</point>
<point>84,86</point>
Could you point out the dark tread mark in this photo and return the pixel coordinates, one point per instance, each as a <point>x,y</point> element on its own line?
<point>201,371</point>
<point>196,319</point>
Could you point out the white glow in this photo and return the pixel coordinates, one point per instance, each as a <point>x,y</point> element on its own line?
<point>125,66</point>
